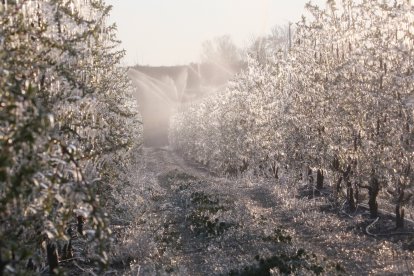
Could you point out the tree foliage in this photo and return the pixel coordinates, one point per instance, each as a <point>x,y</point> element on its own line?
<point>64,116</point>
<point>339,101</point>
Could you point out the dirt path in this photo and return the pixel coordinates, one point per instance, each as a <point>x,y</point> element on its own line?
<point>202,225</point>
<point>199,224</point>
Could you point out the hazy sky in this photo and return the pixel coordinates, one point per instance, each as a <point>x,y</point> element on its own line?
<point>168,32</point>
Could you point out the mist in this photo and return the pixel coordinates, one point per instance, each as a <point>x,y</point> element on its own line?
<point>163,90</point>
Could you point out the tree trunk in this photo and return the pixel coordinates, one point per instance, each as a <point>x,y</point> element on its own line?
<point>335,164</point>
<point>81,222</point>
<point>356,194</point>
<point>30,265</point>
<point>319,179</point>
<point>351,200</point>
<point>399,217</point>
<point>310,176</point>
<point>52,258</point>
<point>338,186</point>
<point>373,191</point>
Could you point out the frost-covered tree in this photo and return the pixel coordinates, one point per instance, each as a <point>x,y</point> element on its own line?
<point>64,116</point>
<point>340,101</point>
<point>263,48</point>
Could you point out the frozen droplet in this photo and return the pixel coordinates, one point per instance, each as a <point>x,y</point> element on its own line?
<point>72,7</point>
<point>51,120</point>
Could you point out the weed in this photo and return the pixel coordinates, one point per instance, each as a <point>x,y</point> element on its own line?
<point>279,236</point>
<point>285,263</point>
<point>201,218</point>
